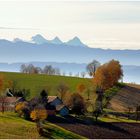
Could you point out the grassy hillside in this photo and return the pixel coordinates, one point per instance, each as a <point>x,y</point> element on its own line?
<point>36,82</point>
<point>129,96</point>
<point>13,127</point>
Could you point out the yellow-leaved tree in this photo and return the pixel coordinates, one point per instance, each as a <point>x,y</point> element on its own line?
<point>38,115</point>
<point>19,108</point>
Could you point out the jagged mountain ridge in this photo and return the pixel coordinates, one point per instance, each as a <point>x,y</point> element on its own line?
<point>39,39</point>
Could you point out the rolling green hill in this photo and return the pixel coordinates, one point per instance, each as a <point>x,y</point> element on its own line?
<point>37,82</point>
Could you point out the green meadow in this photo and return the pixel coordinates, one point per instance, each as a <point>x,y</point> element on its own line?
<point>37,82</point>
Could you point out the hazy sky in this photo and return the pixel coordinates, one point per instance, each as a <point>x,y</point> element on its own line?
<point>105,24</point>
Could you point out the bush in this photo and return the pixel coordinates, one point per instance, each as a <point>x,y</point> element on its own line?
<point>77,104</point>
<point>120,85</point>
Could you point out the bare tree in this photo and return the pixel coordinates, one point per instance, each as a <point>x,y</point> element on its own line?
<point>62,90</point>
<point>70,73</point>
<point>38,70</point>
<point>83,74</point>
<point>23,68</point>
<point>48,69</point>
<point>92,67</point>
<point>31,68</point>
<point>64,73</point>
<point>57,71</point>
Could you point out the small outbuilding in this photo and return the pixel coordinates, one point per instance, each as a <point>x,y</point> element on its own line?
<point>62,110</point>
<point>59,106</point>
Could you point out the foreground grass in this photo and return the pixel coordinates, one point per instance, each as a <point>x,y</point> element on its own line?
<point>13,127</point>
<point>112,118</point>
<point>37,82</point>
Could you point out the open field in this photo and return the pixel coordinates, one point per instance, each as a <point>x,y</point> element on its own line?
<point>129,96</point>
<point>13,127</point>
<point>106,127</point>
<point>37,82</point>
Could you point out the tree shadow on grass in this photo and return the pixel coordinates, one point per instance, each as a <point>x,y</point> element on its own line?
<point>87,121</point>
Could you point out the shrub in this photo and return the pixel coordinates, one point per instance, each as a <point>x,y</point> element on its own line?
<point>77,103</point>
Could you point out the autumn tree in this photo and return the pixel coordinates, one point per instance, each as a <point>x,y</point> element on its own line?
<point>39,114</point>
<point>88,91</point>
<point>62,89</point>
<point>77,104</point>
<point>81,88</point>
<point>92,67</point>
<point>108,75</point>
<point>22,108</point>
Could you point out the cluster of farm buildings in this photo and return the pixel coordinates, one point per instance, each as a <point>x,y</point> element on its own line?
<point>54,105</point>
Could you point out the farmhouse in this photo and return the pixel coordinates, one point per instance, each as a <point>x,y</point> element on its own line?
<point>60,107</point>
<point>8,103</point>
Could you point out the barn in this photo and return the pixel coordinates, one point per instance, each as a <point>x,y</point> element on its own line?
<point>59,106</point>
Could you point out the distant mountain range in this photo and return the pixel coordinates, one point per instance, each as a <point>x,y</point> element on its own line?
<point>38,39</point>
<point>131,72</point>
<point>41,49</point>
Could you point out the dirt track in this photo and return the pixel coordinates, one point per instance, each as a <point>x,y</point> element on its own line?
<point>108,130</point>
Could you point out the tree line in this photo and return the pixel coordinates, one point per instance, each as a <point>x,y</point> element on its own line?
<point>48,69</point>
<point>31,69</point>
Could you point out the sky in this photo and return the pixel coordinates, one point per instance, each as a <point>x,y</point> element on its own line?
<point>99,24</point>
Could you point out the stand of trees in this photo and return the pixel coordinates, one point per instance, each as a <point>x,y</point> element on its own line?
<point>31,69</point>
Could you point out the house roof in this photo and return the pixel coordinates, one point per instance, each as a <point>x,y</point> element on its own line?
<point>59,107</point>
<point>8,99</point>
<point>51,98</point>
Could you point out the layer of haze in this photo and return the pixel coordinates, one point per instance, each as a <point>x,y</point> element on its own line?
<point>99,24</point>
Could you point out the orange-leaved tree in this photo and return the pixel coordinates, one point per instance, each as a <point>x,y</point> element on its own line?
<point>108,75</point>
<point>81,88</point>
